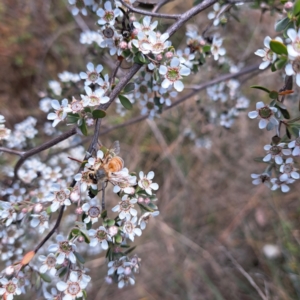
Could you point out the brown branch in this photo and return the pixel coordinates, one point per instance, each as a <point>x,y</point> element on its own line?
<point>148,13</point>
<point>41,148</point>
<point>160,4</point>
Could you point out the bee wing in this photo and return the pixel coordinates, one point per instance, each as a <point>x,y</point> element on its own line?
<point>115,148</point>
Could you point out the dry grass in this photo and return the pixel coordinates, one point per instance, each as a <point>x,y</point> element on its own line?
<point>206,198</point>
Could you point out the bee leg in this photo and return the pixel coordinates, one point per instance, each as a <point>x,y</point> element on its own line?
<point>103,195</point>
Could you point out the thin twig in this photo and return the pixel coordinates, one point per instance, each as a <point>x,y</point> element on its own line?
<point>244,273</point>
<point>160,4</point>
<point>10,151</point>
<point>148,13</point>
<point>103,196</point>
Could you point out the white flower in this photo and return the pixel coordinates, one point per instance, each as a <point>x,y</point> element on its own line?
<point>55,87</point>
<point>158,42</point>
<point>64,249</point>
<point>186,57</point>
<point>59,197</point>
<point>117,265</point>
<point>216,48</point>
<point>283,185</point>
<point>104,84</point>
<point>296,145</point>
<point>294,47</point>
<point>265,113</point>
<point>85,180</point>
<point>125,280</point>
<point>146,183</point>
<point>94,98</point>
<point>142,43</point>
<point>4,132</point>
<point>276,152</point>
<point>173,74</point>
<point>213,14</point>
<point>125,208</point>
<point>93,213</point>
<point>130,229</point>
<point>73,288</point>
<point>60,111</point>
<point>49,263</point>
<point>99,236</point>
<point>9,288</point>
<point>40,220</point>
<point>261,178</point>
<point>68,77</point>
<point>144,219</point>
<point>92,75</point>
<point>79,6</point>
<point>146,27</point>
<point>288,169</point>
<point>7,212</point>
<point>108,15</point>
<point>268,56</point>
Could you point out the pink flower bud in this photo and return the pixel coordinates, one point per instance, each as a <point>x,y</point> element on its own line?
<point>24,210</point>
<point>113,230</point>
<point>78,210</point>
<point>147,200</point>
<point>9,270</point>
<point>132,18</point>
<point>38,208</point>
<point>108,280</point>
<point>169,54</point>
<point>140,199</point>
<point>90,122</point>
<point>288,6</point>
<point>135,32</point>
<point>159,57</point>
<point>123,45</point>
<point>80,239</point>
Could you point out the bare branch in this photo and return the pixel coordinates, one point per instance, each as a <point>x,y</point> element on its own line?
<point>148,13</point>
<point>160,4</point>
<point>245,274</point>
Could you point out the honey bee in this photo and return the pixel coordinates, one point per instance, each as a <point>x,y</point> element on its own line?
<point>110,163</point>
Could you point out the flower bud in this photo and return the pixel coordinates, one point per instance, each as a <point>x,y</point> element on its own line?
<point>113,230</point>
<point>123,45</point>
<point>78,210</point>
<point>169,54</point>
<point>159,57</point>
<point>288,6</point>
<point>38,208</point>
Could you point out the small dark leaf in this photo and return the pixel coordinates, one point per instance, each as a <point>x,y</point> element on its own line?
<point>87,109</point>
<point>144,207</point>
<point>279,64</point>
<point>294,129</point>
<point>45,277</point>
<point>129,88</point>
<point>104,214</point>
<point>278,47</point>
<point>284,111</point>
<point>62,271</point>
<point>98,114</point>
<point>79,257</point>
<point>73,118</point>
<point>110,222</point>
<point>129,250</point>
<point>125,102</point>
<point>282,24</point>
<point>293,120</point>
<point>288,132</point>
<point>273,68</point>
<point>260,88</point>
<point>83,127</point>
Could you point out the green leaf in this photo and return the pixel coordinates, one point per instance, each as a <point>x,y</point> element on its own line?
<point>85,234</point>
<point>104,214</point>
<point>293,120</point>
<point>125,102</point>
<point>273,68</point>
<point>283,110</point>
<point>83,127</point>
<point>296,8</point>
<point>261,88</point>
<point>206,48</point>
<point>73,118</point>
<point>45,277</point>
<point>79,257</point>
<point>279,64</point>
<point>129,88</point>
<point>62,271</point>
<point>273,95</point>
<point>98,114</point>
<point>278,47</point>
<point>282,24</point>
<point>87,109</point>
<point>294,129</point>
<point>144,207</point>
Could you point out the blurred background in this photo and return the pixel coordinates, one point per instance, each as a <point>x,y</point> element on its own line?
<point>215,228</point>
